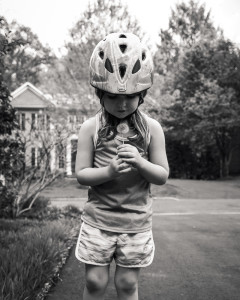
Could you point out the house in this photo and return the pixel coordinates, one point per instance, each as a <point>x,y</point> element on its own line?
<point>34,113</point>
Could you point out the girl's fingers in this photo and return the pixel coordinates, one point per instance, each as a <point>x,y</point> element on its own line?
<point>125,170</point>
<point>125,154</point>
<point>128,160</point>
<point>119,160</point>
<point>123,148</point>
<point>123,166</point>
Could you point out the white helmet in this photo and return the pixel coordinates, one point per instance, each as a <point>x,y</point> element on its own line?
<point>121,64</point>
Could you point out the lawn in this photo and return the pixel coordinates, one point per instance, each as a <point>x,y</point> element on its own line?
<point>180,188</point>
<point>199,189</point>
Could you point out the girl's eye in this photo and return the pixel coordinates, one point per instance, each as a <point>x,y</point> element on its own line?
<point>111,96</point>
<point>132,96</point>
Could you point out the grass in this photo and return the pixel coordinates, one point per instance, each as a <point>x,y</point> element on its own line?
<point>199,189</point>
<point>180,188</point>
<point>32,252</point>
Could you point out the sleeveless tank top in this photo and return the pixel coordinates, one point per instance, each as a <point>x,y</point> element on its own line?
<point>123,203</point>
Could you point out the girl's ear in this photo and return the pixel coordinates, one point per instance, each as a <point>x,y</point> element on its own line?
<point>100,95</point>
<point>141,99</point>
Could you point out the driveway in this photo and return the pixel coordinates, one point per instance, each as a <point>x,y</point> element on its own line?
<point>197,254</point>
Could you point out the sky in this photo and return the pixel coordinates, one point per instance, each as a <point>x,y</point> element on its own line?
<point>51,19</point>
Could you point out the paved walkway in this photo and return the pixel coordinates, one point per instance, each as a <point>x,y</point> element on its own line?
<point>197,254</point>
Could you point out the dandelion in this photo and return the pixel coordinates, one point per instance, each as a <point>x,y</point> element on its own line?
<point>123,128</point>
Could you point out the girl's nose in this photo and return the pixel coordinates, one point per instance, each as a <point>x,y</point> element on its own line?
<point>122,105</point>
<point>122,101</point>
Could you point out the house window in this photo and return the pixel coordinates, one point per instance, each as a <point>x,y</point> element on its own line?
<point>61,161</point>
<point>41,121</point>
<point>79,119</point>
<point>39,156</point>
<point>33,125</point>
<point>48,122</point>
<point>71,119</point>
<point>61,156</point>
<point>21,120</point>
<point>22,126</point>
<point>33,156</point>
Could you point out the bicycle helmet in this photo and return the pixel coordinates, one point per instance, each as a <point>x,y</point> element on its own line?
<point>121,64</point>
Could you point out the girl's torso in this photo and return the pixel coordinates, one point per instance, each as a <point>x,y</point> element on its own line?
<point>121,204</point>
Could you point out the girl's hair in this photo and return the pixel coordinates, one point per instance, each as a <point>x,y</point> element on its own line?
<point>136,121</point>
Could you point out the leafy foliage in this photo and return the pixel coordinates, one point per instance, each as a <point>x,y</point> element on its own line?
<point>11,147</point>
<point>202,72</point>
<point>190,22</point>
<point>70,74</point>
<point>24,63</point>
<point>7,113</point>
<point>19,184</point>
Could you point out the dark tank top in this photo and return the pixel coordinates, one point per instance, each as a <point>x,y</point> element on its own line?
<point>123,203</point>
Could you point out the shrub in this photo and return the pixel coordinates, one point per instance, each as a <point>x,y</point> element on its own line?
<point>7,197</point>
<point>71,211</point>
<point>41,210</point>
<point>32,255</point>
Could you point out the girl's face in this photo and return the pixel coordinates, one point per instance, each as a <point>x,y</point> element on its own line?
<point>120,106</point>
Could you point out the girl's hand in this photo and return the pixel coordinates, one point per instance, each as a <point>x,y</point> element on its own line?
<point>118,167</point>
<point>130,155</point>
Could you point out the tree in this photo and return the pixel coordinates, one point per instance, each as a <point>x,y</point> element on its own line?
<point>50,139</point>
<point>20,184</point>
<point>217,110</point>
<point>7,113</point>
<point>207,108</point>
<point>30,174</point>
<point>202,75</point>
<point>188,24</point>
<point>71,72</point>
<point>27,57</point>
<point>11,147</point>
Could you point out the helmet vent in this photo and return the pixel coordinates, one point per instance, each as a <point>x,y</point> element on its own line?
<point>143,56</point>
<point>101,54</point>
<point>136,67</point>
<point>122,70</point>
<point>122,36</point>
<point>123,48</point>
<point>108,66</point>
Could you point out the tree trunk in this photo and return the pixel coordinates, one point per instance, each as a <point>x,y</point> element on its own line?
<point>224,166</point>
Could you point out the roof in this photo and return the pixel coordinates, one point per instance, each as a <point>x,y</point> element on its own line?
<point>28,96</point>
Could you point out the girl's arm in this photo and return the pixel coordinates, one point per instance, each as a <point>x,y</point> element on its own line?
<point>85,173</point>
<point>156,170</point>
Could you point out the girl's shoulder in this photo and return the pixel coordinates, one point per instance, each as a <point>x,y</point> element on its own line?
<point>152,123</point>
<point>89,126</point>
<point>155,129</point>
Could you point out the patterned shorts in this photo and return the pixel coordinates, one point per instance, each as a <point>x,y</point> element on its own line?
<point>100,247</point>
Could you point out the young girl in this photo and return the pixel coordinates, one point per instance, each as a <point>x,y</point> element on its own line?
<point>120,152</point>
